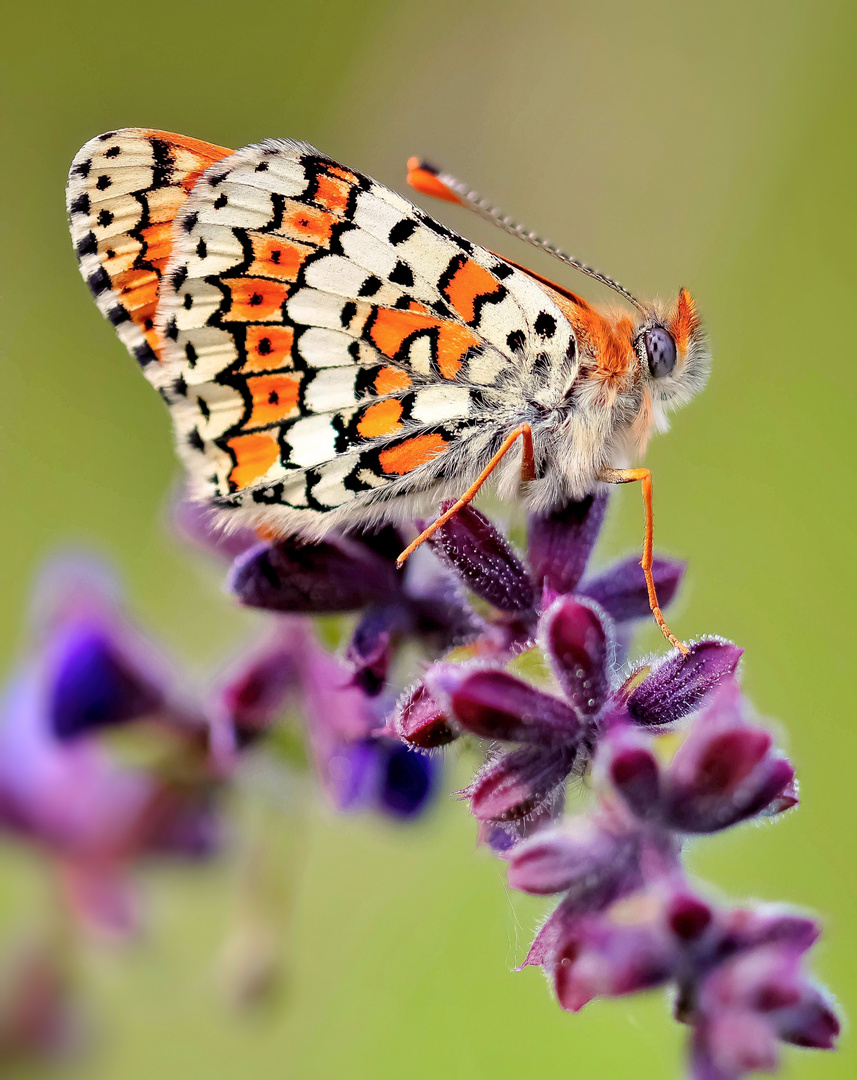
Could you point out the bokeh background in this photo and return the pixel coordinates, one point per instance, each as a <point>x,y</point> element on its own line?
<point>704,144</point>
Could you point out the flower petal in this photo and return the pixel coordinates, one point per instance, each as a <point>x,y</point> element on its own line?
<point>96,685</point>
<point>496,705</point>
<point>602,958</point>
<point>323,578</point>
<point>514,784</point>
<point>257,691</point>
<point>680,683</point>
<point>559,542</point>
<point>810,1021</point>
<point>635,774</point>
<point>408,781</point>
<point>579,647</point>
<point>373,643</point>
<point>581,856</point>
<point>621,590</point>
<point>484,560</point>
<point>421,721</point>
<point>724,771</point>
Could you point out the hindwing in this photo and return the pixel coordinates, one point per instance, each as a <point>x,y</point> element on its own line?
<point>124,191</point>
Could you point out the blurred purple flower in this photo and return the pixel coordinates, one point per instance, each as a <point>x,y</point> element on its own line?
<point>628,920</point>
<point>346,574</point>
<point>59,787</point>
<point>359,765</point>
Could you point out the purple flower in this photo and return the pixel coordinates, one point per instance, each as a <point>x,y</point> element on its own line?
<point>750,1003</point>
<point>738,973</point>
<point>360,766</point>
<point>346,574</point>
<point>258,688</point>
<point>628,920</point>
<point>724,772</point>
<point>558,549</point>
<point>556,736</point>
<point>61,791</point>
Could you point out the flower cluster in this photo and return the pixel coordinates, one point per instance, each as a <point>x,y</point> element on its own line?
<point>669,750</point>
<point>523,654</point>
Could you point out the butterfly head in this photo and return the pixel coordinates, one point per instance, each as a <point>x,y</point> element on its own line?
<point>671,346</point>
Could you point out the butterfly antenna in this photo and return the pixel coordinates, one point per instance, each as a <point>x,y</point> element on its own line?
<point>429,180</point>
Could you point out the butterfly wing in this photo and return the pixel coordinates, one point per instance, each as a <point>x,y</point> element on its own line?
<point>328,351</point>
<point>124,191</point>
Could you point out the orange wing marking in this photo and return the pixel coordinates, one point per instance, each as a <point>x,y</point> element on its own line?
<point>409,455</point>
<point>308,224</point>
<point>268,347</point>
<point>254,455</point>
<point>255,300</point>
<point>275,398</point>
<point>389,380</point>
<point>392,326</point>
<point>383,418</point>
<point>275,257</point>
<point>467,283</point>
<point>332,193</point>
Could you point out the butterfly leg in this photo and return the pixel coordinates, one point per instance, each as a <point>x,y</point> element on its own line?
<point>629,476</point>
<point>528,472</point>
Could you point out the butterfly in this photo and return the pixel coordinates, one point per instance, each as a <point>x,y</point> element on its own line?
<point>332,356</point>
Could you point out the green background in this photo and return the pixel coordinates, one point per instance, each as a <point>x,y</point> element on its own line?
<point>710,145</point>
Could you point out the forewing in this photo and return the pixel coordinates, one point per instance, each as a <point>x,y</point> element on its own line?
<point>124,191</point>
<point>325,342</point>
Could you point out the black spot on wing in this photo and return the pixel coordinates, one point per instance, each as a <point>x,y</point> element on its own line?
<point>403,230</point>
<point>163,163</point>
<point>370,286</point>
<point>98,282</point>
<point>144,354</point>
<point>401,274</point>
<point>515,341</point>
<point>87,246</point>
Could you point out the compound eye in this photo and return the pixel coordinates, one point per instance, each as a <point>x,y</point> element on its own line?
<point>660,351</point>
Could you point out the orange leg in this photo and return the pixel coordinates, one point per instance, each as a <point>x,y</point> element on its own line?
<point>528,472</point>
<point>629,476</point>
